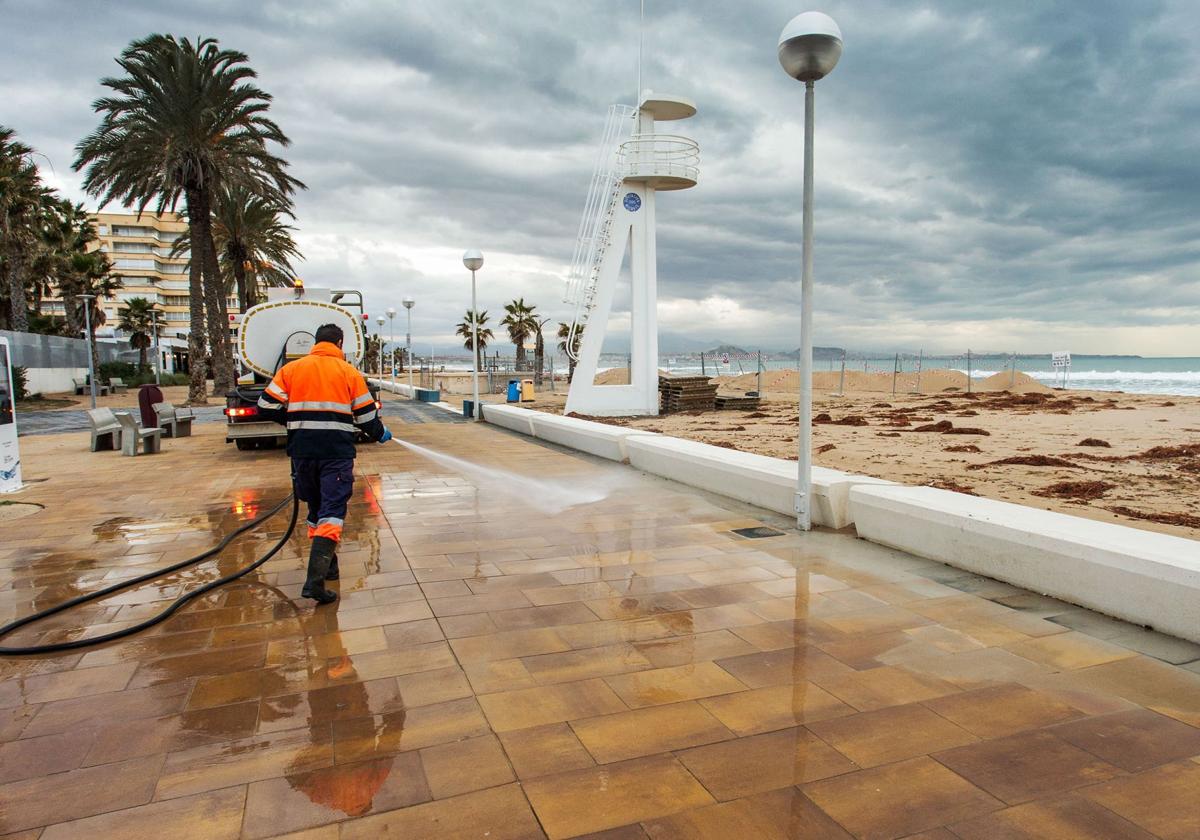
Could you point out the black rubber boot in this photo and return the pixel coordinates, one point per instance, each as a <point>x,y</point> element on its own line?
<point>319,559</point>
<point>334,573</point>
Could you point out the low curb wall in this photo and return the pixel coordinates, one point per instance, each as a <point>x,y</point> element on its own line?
<point>1139,576</point>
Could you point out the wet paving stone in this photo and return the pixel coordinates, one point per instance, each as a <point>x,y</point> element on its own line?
<point>505,665</point>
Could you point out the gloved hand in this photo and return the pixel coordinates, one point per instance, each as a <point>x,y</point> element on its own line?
<point>387,435</point>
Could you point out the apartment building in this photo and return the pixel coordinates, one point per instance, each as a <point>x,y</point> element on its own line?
<point>139,247</point>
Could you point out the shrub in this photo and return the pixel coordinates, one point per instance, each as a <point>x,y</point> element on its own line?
<point>20,382</point>
<point>125,371</point>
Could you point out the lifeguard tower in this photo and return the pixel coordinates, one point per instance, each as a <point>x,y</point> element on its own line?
<point>634,163</point>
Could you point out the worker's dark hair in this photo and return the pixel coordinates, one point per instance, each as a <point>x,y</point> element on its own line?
<point>329,332</point>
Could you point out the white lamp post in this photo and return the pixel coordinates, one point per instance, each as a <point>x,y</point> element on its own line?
<point>473,260</point>
<point>809,48</point>
<point>379,321</point>
<point>391,314</point>
<point>157,352</point>
<point>408,360</point>
<point>87,319</point>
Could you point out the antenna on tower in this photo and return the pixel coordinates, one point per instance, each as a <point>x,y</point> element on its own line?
<point>637,102</point>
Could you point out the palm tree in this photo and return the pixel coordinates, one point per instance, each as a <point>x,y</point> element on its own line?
<point>521,322</point>
<point>564,335</point>
<point>539,348</point>
<point>485,334</point>
<point>183,120</point>
<point>254,246</point>
<point>135,319</point>
<point>22,200</point>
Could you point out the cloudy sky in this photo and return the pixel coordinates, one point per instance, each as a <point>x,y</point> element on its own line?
<point>1007,175</point>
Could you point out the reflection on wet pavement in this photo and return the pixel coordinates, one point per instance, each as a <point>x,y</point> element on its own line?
<point>492,670</point>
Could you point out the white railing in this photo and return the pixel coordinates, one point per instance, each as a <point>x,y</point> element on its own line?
<point>595,226</point>
<point>662,155</point>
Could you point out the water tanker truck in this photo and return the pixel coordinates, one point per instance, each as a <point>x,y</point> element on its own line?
<point>273,333</point>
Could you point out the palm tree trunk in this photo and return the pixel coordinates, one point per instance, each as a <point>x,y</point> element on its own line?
<point>197,333</point>
<point>539,359</point>
<point>19,315</point>
<point>243,288</point>
<point>216,309</point>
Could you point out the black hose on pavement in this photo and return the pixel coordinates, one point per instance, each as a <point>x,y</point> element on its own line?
<point>125,584</point>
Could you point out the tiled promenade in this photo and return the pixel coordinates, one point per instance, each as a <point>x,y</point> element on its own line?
<point>627,668</point>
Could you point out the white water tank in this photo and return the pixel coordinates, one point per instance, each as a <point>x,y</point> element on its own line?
<point>278,331</point>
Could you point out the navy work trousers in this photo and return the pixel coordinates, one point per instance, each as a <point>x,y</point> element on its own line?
<point>326,485</point>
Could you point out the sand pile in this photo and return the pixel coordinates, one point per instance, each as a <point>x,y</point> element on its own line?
<point>932,381</point>
<point>617,376</point>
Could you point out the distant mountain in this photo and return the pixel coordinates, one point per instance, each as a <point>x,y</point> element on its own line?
<point>731,349</point>
<point>823,353</point>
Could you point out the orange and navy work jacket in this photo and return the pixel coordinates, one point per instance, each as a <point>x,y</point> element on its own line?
<point>324,401</point>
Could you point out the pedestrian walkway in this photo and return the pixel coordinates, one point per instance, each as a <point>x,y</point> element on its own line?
<point>556,646</point>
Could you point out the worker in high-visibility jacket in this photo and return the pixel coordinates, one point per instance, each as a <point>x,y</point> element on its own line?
<point>325,402</point>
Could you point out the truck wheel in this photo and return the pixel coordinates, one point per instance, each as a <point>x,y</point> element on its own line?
<point>244,444</point>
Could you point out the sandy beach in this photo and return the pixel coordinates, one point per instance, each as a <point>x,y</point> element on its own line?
<point>1132,459</point>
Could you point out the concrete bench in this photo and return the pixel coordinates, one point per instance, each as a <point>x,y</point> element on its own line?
<point>131,434</point>
<point>106,429</point>
<point>175,422</point>
<point>116,385</point>
<point>1139,576</point>
<point>756,479</point>
<point>80,386</point>
<point>598,439</point>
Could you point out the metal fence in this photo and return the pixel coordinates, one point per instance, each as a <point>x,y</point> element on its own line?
<point>31,350</point>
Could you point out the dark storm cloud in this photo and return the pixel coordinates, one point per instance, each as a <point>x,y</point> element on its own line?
<point>1005,174</point>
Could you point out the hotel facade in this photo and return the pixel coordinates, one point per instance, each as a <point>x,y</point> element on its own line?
<point>139,247</point>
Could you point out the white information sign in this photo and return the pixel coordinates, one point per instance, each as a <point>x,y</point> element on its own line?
<point>10,455</point>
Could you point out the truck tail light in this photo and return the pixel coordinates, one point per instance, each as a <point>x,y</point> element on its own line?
<point>241,412</point>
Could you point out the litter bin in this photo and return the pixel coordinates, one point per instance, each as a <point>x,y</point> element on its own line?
<point>526,390</point>
<point>514,390</point>
<point>148,395</point>
<point>468,408</point>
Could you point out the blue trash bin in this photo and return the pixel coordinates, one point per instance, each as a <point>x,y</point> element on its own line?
<point>468,408</point>
<point>514,390</point>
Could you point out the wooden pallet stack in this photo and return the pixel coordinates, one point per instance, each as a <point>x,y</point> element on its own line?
<point>740,402</point>
<point>686,393</point>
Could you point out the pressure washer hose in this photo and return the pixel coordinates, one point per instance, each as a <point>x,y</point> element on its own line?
<point>170,610</point>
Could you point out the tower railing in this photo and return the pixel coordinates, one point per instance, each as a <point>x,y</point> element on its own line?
<point>661,155</point>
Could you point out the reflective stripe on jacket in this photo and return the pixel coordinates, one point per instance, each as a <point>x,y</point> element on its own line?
<point>324,400</point>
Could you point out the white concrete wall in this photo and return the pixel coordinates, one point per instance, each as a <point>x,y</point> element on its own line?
<point>1139,576</point>
<point>53,380</point>
<point>757,479</point>
<point>598,439</point>
<point>509,417</point>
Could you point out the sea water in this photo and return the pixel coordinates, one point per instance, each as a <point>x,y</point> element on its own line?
<point>544,494</point>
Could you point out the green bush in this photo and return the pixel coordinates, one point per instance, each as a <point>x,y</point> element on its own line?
<point>20,382</point>
<point>125,371</point>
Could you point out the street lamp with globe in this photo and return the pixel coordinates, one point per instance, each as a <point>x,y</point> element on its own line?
<point>379,321</point>
<point>809,48</point>
<point>408,304</point>
<point>473,260</point>
<point>391,314</point>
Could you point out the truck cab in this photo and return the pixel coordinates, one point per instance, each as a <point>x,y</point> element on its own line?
<point>275,332</point>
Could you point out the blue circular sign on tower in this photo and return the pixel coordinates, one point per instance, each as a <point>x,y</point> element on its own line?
<point>632,202</point>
